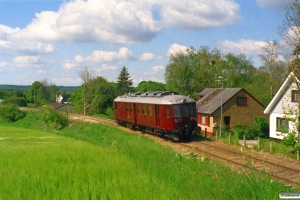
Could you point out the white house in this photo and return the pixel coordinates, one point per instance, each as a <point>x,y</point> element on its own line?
<point>284,105</point>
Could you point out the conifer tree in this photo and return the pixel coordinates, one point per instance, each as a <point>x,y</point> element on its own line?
<point>124,81</point>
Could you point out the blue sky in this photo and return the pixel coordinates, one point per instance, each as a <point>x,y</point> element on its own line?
<point>53,39</point>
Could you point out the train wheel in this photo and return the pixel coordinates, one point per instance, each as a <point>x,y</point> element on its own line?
<point>186,133</point>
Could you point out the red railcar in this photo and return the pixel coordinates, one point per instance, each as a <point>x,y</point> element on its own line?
<point>164,113</point>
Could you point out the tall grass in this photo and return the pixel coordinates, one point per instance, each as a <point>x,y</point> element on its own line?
<point>92,161</point>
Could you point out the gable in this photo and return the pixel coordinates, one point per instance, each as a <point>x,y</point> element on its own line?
<point>282,95</point>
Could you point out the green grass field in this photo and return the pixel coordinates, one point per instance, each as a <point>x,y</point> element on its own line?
<point>93,161</point>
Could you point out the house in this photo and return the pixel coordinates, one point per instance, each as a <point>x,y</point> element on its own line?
<point>238,106</point>
<point>62,107</point>
<point>284,104</point>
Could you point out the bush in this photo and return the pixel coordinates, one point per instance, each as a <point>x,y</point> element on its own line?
<point>52,118</point>
<point>110,113</point>
<point>11,112</point>
<point>260,128</point>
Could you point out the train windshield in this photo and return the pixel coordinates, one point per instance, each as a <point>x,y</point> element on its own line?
<point>192,110</point>
<point>184,110</point>
<point>176,110</point>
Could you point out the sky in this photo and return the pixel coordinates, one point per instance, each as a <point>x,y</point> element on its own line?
<point>53,39</point>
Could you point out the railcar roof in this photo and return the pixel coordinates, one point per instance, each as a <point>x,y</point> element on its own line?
<point>155,98</point>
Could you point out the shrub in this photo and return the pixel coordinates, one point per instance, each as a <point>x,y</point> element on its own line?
<point>11,112</point>
<point>260,128</point>
<point>52,118</point>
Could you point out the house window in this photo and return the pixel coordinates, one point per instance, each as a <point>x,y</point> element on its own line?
<point>203,121</point>
<point>241,101</point>
<point>282,125</point>
<point>295,96</point>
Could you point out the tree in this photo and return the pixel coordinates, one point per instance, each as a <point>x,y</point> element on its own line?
<point>86,74</point>
<point>275,67</point>
<point>37,94</point>
<point>124,82</point>
<point>146,86</point>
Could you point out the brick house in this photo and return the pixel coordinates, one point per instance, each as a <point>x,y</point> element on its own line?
<point>238,106</point>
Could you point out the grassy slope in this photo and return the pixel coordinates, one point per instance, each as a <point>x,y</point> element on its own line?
<point>101,162</point>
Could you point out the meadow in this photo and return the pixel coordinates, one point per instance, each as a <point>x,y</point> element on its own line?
<point>94,161</point>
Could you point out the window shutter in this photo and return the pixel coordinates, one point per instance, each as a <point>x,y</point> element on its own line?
<point>207,120</point>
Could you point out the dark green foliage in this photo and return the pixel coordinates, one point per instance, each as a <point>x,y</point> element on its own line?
<point>11,112</point>
<point>124,82</point>
<point>51,118</point>
<point>290,140</point>
<point>20,101</point>
<point>260,128</point>
<point>146,86</point>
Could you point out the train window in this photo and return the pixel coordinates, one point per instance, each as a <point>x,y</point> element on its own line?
<point>150,110</point>
<point>192,110</point>
<point>127,107</point>
<point>176,111</point>
<point>167,112</point>
<point>131,107</point>
<point>185,112</point>
<point>144,109</point>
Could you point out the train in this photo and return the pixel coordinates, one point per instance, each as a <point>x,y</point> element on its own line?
<point>164,113</point>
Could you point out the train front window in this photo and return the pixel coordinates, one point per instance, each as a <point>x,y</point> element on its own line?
<point>176,111</point>
<point>192,110</point>
<point>185,112</point>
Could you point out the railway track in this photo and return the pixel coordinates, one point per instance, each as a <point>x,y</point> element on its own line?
<point>244,159</point>
<point>248,160</point>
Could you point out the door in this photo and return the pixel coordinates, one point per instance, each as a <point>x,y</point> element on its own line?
<point>157,115</point>
<point>227,121</point>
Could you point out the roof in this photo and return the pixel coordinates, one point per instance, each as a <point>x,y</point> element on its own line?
<point>281,91</point>
<point>206,91</point>
<point>212,100</point>
<point>58,105</point>
<point>155,98</point>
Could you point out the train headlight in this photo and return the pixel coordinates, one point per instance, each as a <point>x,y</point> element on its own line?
<point>176,120</point>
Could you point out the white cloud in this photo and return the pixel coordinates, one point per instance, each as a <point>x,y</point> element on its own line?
<point>199,14</point>
<point>147,56</point>
<point>275,4</point>
<point>176,48</point>
<point>41,71</point>
<point>114,21</point>
<point>30,61</point>
<point>68,64</point>
<point>157,69</point>
<point>3,64</point>
<point>106,56</point>
<point>106,67</point>
<point>247,47</point>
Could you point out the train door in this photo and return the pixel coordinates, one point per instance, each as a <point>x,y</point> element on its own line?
<point>135,117</point>
<point>157,115</point>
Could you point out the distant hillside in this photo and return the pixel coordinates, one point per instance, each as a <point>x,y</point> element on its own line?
<point>26,87</point>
